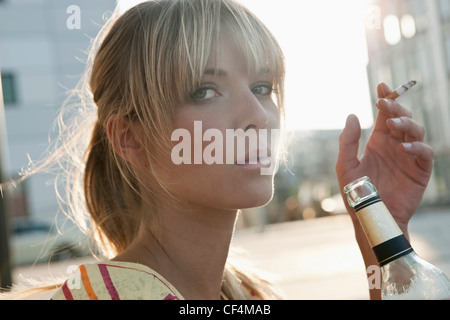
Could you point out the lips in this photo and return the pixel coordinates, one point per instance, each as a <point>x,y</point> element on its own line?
<point>255,157</point>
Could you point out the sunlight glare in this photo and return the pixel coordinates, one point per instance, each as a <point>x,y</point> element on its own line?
<point>392,30</point>
<point>408,26</point>
<point>326,56</point>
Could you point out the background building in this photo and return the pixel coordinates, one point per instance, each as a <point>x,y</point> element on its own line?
<point>42,45</point>
<point>410,40</point>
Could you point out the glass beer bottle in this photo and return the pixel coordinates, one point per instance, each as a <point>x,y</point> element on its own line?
<point>404,274</point>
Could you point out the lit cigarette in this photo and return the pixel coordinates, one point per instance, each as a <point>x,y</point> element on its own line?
<point>401,90</point>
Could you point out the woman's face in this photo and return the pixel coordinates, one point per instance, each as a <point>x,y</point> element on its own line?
<point>229,98</point>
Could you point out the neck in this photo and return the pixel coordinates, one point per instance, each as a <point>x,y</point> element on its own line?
<point>189,247</point>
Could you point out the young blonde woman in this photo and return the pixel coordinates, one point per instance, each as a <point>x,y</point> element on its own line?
<point>164,229</point>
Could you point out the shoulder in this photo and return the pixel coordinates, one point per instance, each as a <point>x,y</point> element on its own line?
<point>113,280</point>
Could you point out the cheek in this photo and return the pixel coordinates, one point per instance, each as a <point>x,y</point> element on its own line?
<point>196,141</point>
<point>274,115</point>
<point>219,186</point>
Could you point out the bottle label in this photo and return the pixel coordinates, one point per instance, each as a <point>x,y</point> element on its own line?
<point>384,235</point>
<point>392,249</point>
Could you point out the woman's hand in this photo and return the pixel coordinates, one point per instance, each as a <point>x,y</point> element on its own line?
<point>395,158</point>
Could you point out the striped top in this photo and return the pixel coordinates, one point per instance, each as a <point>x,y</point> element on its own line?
<point>114,280</point>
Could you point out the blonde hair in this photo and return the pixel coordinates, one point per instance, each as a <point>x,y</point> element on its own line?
<point>140,66</point>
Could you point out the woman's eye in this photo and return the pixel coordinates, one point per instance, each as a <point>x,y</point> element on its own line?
<point>263,90</point>
<point>204,94</point>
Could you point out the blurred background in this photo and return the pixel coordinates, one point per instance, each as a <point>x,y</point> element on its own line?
<point>336,51</point>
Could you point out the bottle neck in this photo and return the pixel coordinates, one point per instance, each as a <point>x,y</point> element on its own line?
<point>385,237</point>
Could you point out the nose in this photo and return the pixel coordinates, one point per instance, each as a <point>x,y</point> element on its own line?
<point>251,112</point>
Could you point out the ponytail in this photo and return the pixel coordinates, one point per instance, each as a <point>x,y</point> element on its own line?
<point>109,192</point>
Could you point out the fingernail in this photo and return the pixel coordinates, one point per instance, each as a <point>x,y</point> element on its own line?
<point>396,120</point>
<point>407,145</point>
<point>386,101</point>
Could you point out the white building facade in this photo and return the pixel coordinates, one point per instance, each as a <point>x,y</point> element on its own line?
<point>43,45</point>
<point>410,40</point>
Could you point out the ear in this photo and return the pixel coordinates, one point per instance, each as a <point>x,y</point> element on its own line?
<point>123,134</point>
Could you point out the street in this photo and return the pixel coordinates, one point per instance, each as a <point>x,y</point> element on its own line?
<point>319,259</point>
<point>311,259</point>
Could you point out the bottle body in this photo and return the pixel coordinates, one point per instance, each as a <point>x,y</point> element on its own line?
<point>405,275</point>
<point>412,278</point>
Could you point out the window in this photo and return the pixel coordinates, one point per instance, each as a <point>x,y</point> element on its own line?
<point>392,33</point>
<point>445,9</point>
<point>9,88</point>
<point>419,7</point>
<point>17,201</point>
<point>408,25</point>
<point>419,12</point>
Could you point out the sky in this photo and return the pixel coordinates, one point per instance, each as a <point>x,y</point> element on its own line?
<point>326,58</point>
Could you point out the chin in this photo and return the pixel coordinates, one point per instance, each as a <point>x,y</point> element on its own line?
<point>255,197</point>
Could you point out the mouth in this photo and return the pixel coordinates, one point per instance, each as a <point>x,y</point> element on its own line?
<point>255,159</point>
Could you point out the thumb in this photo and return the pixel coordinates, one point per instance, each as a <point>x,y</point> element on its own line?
<point>348,146</point>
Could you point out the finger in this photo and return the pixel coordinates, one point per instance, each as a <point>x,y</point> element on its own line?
<point>392,108</point>
<point>383,90</point>
<point>423,153</point>
<point>383,106</point>
<point>349,145</point>
<point>407,128</point>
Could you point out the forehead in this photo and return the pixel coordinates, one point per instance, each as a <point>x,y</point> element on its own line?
<point>228,54</point>
<point>225,53</point>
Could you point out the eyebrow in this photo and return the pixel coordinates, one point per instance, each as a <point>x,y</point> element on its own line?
<point>223,73</point>
<point>216,72</point>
